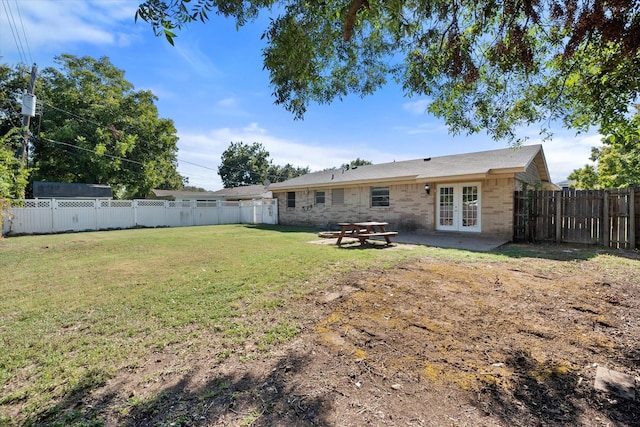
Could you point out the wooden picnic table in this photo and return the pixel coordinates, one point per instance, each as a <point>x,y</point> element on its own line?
<point>364,230</point>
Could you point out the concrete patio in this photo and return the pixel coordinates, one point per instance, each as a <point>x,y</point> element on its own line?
<point>452,240</point>
<point>467,241</point>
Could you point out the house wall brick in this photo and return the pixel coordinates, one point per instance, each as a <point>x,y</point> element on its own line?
<point>497,207</point>
<point>411,209</point>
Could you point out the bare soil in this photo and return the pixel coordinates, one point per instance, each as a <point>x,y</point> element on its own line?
<point>427,343</point>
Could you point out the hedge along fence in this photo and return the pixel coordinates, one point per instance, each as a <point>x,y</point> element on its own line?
<point>605,217</point>
<point>46,216</point>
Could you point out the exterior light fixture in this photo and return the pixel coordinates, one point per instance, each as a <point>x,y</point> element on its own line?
<point>427,189</point>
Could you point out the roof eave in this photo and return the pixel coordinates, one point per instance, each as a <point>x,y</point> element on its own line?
<point>351,183</point>
<point>449,178</point>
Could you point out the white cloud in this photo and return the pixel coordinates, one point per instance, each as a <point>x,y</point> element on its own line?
<point>227,103</point>
<point>565,153</point>
<point>426,128</point>
<point>53,25</point>
<point>206,149</point>
<point>197,59</point>
<point>416,107</point>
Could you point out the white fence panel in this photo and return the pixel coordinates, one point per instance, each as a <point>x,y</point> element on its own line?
<point>248,211</point>
<point>206,213</point>
<point>229,212</point>
<point>150,213</point>
<point>115,214</point>
<point>56,216</point>
<point>74,215</point>
<point>179,214</point>
<point>258,212</point>
<point>34,218</point>
<point>268,212</point>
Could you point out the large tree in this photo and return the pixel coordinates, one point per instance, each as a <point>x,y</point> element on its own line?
<point>277,173</point>
<point>243,164</point>
<point>355,163</point>
<point>13,81</point>
<point>484,64</point>
<point>616,162</point>
<point>13,172</point>
<point>96,128</point>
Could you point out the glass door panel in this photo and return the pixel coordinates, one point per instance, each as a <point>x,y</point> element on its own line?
<point>469,206</point>
<point>446,204</point>
<point>458,207</point>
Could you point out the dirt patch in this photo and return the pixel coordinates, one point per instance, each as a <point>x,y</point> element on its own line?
<point>427,343</point>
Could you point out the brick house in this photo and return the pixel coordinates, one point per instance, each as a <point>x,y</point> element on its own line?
<point>467,192</point>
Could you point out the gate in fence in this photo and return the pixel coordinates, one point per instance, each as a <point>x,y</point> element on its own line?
<point>605,217</point>
<point>44,216</point>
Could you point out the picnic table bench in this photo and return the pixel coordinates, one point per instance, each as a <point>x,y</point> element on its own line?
<point>364,230</point>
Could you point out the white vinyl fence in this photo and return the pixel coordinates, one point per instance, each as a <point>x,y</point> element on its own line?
<point>46,216</point>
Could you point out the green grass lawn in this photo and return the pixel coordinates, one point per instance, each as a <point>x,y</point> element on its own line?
<point>76,308</point>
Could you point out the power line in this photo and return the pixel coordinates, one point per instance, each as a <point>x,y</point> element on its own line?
<point>14,31</point>
<point>73,115</point>
<point>92,151</point>
<point>100,125</point>
<point>200,166</point>
<point>24,33</point>
<point>276,178</point>
<point>177,158</point>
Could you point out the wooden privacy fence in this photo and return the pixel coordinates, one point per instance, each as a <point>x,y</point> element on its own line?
<point>600,217</point>
<point>44,216</point>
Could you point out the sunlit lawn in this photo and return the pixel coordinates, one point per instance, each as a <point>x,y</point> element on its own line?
<point>76,308</point>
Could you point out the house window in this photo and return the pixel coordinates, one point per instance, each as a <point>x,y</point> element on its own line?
<point>291,199</point>
<point>337,196</point>
<point>379,197</point>
<point>319,197</point>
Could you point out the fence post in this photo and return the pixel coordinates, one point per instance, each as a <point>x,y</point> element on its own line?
<point>528,215</point>
<point>96,212</point>
<point>606,227</point>
<point>54,213</point>
<point>558,206</point>
<point>632,219</point>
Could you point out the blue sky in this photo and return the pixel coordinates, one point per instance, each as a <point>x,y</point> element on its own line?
<point>212,85</point>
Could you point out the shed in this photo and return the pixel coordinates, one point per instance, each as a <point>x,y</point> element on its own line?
<point>65,190</point>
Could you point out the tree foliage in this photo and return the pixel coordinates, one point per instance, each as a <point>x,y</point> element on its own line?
<point>617,161</point>
<point>13,81</point>
<point>243,164</point>
<point>13,172</point>
<point>355,163</point>
<point>277,173</point>
<point>96,128</point>
<point>483,64</point>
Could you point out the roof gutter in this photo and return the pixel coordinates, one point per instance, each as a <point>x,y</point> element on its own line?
<point>410,178</point>
<point>465,177</point>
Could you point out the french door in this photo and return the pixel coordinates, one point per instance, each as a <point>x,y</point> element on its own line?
<point>458,207</point>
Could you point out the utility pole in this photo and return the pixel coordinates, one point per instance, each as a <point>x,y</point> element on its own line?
<point>28,111</point>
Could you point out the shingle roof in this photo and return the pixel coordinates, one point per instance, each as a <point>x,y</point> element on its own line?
<point>244,191</point>
<point>179,193</point>
<point>480,163</point>
<point>247,191</point>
